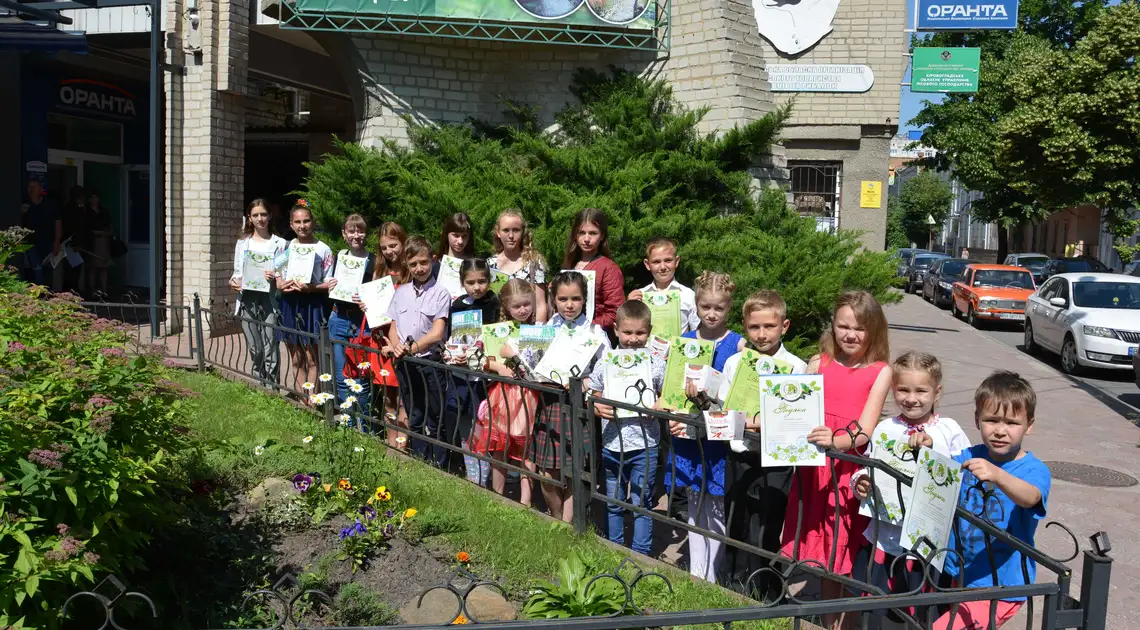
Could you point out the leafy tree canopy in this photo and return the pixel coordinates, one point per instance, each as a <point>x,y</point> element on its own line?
<point>1054,121</point>
<point>925,196</point>
<point>628,148</point>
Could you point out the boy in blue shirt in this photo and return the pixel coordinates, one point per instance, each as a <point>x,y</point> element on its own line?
<point>1004,406</point>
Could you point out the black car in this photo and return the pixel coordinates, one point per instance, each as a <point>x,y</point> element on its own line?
<point>1077,264</point>
<point>905,254</point>
<point>916,271</point>
<point>939,282</point>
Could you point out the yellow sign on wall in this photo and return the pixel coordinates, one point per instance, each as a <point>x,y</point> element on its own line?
<point>871,194</point>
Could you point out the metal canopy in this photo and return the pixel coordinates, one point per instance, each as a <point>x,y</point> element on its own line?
<point>29,13</point>
<point>656,39</point>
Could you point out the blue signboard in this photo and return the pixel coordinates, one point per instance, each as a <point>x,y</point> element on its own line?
<point>967,15</point>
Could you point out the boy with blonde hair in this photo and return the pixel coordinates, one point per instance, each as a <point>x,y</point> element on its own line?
<point>661,260</point>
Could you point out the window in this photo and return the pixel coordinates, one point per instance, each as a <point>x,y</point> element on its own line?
<point>1003,279</point>
<point>83,135</point>
<point>1120,295</point>
<point>1049,289</point>
<point>815,187</point>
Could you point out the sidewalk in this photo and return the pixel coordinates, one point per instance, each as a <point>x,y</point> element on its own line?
<point>1072,426</point>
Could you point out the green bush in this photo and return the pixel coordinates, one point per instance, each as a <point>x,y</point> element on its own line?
<point>84,452</point>
<point>629,148</point>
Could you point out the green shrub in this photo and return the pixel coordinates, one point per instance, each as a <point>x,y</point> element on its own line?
<point>629,148</point>
<point>84,452</point>
<point>575,596</point>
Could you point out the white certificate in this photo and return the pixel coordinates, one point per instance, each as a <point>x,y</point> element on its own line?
<point>933,499</point>
<point>376,296</point>
<point>302,259</point>
<point>591,279</point>
<point>891,452</point>
<point>790,407</point>
<point>569,354</point>
<point>449,276</point>
<point>628,379</point>
<point>253,271</point>
<point>349,275</point>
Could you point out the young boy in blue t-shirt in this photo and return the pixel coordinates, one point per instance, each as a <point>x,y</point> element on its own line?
<point>1004,405</point>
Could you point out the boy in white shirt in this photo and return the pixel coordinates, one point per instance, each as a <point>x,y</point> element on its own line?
<point>661,260</point>
<point>756,498</point>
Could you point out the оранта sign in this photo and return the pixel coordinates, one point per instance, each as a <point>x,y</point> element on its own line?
<point>967,15</point>
<point>820,77</point>
<point>86,95</point>
<point>945,69</point>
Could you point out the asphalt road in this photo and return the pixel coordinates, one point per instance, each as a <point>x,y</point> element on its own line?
<point>1114,387</point>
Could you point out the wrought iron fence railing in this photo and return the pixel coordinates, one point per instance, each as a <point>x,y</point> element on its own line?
<point>487,427</point>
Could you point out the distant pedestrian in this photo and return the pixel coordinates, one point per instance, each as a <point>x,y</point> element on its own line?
<point>965,253</point>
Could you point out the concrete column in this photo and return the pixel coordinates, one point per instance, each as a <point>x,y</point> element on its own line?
<point>205,148</point>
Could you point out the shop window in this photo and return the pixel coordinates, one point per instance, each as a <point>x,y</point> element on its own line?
<point>84,135</point>
<point>815,189</point>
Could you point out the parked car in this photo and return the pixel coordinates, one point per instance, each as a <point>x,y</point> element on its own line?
<point>1035,263</point>
<point>916,272</point>
<point>991,293</point>
<point>905,254</point>
<point>1077,264</point>
<point>1090,319</point>
<point>937,284</point>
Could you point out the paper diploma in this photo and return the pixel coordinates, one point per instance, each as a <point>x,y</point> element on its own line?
<point>376,296</point>
<point>683,352</point>
<point>569,354</point>
<point>302,259</point>
<point>890,502</point>
<point>349,274</point>
<point>933,500</point>
<point>449,276</point>
<point>790,407</point>
<point>253,271</point>
<point>495,336</point>
<point>628,379</point>
<point>665,307</point>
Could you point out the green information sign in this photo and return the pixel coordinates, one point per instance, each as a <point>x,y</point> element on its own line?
<point>945,69</point>
<point>631,14</point>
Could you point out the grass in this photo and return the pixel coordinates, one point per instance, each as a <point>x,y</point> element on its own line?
<point>510,542</point>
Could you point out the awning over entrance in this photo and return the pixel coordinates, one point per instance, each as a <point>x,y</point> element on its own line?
<point>36,38</point>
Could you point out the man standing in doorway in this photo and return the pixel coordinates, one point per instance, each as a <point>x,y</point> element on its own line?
<point>42,217</point>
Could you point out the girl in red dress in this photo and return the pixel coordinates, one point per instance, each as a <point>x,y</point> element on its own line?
<point>853,357</point>
<point>390,262</point>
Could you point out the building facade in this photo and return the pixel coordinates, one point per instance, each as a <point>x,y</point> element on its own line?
<point>246,101</point>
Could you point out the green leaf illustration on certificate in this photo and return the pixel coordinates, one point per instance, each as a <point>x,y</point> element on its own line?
<point>302,260</point>
<point>933,500</point>
<point>790,407</point>
<point>253,271</point>
<point>569,354</point>
<point>495,336</point>
<point>890,446</point>
<point>349,276</point>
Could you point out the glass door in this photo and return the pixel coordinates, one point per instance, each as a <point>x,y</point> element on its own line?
<point>140,251</point>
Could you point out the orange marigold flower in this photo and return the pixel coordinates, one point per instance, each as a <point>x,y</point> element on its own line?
<point>463,557</point>
<point>460,620</point>
<point>327,487</point>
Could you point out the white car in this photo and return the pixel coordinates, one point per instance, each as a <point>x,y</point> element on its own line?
<point>1090,319</point>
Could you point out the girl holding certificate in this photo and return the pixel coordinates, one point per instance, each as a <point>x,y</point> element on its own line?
<point>588,249</point>
<point>305,294</point>
<point>853,357</point>
<point>516,257</point>
<point>390,262</point>
<point>255,252</point>
<point>456,244</point>
<point>347,320</point>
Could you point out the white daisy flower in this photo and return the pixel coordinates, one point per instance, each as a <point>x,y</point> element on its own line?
<point>346,405</point>
<point>356,388</point>
<point>258,450</point>
<point>308,386</point>
<point>326,378</point>
<point>350,382</point>
<point>363,365</point>
<point>384,373</point>
<point>307,439</point>
<point>344,418</point>
<point>358,449</point>
<point>350,400</point>
<point>315,400</point>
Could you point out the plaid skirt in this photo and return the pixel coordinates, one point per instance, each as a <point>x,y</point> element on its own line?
<point>550,443</point>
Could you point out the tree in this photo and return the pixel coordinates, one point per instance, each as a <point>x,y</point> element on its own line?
<point>628,148</point>
<point>965,127</point>
<point>896,235</point>
<point>925,196</point>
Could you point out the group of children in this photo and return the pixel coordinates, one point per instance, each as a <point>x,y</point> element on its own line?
<point>726,489</point>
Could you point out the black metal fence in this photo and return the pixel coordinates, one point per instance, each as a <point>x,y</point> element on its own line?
<point>554,440</point>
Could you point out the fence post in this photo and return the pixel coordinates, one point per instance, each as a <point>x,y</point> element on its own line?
<point>199,336</point>
<point>1095,574</point>
<point>579,485</point>
<point>325,365</point>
